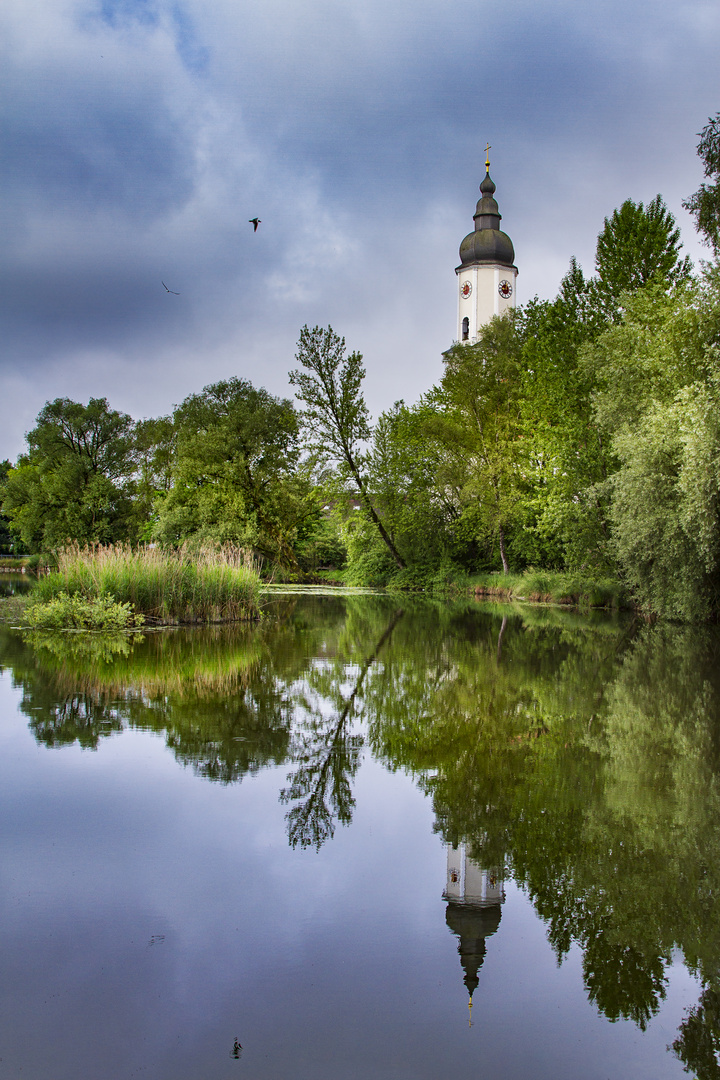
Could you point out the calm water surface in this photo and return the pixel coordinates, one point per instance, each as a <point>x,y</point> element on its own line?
<point>368,838</point>
<point>15,584</point>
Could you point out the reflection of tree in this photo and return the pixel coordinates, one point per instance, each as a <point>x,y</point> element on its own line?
<point>588,763</point>
<point>65,712</point>
<point>77,718</point>
<point>698,1044</point>
<point>215,694</point>
<point>327,754</point>
<point>585,760</point>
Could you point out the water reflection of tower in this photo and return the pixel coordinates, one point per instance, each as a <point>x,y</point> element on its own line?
<point>473,913</point>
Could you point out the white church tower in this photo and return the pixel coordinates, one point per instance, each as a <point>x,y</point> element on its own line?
<point>486,274</point>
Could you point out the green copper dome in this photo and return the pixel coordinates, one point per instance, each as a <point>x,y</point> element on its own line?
<point>487,244</point>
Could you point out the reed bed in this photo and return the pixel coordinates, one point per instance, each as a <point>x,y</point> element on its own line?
<point>170,587</point>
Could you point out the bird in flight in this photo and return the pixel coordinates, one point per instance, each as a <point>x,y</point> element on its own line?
<point>170,290</point>
<point>255,221</point>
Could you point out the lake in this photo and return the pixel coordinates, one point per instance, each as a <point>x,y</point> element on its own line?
<point>370,837</point>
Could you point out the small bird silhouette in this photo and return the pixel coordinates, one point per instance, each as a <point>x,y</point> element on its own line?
<point>255,221</point>
<point>236,1048</point>
<point>170,290</point>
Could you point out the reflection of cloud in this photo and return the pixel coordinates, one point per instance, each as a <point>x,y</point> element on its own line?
<point>139,137</point>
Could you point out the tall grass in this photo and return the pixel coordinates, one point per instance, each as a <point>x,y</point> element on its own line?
<point>553,587</point>
<point>210,585</point>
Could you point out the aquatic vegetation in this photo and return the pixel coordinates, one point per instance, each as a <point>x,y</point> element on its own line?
<point>214,584</point>
<point>77,612</point>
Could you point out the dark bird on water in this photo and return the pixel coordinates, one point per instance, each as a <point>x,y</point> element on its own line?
<point>236,1048</point>
<point>255,221</point>
<point>171,290</point>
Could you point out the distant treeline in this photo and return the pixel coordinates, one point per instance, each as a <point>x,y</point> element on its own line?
<point>578,434</point>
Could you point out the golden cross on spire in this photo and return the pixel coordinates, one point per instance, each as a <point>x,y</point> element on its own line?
<point>488,148</point>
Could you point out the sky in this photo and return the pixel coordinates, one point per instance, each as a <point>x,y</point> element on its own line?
<point>140,136</point>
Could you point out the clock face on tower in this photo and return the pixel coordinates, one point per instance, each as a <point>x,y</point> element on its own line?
<point>505,289</point>
<point>466,289</point>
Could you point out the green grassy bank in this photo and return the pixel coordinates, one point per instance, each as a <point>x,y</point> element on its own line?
<point>548,587</point>
<point>536,586</point>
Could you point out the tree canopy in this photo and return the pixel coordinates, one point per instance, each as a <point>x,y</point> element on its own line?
<point>234,471</point>
<point>75,481</point>
<point>704,204</point>
<point>637,245</point>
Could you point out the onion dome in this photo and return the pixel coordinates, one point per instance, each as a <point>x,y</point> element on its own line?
<point>487,244</point>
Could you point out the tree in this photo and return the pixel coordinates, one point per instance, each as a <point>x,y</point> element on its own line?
<point>478,422</point>
<point>570,455</point>
<point>564,525</point>
<point>656,402</point>
<point>336,418</point>
<point>154,441</point>
<point>6,538</point>
<point>704,205</point>
<point>404,467</point>
<point>75,482</point>
<point>637,245</point>
<point>235,472</point>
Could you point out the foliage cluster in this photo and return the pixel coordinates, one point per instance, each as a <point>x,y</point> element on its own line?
<point>76,612</point>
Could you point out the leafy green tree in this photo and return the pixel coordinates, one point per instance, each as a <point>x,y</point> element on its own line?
<point>8,543</point>
<point>564,522</point>
<point>638,244</point>
<point>404,467</point>
<point>477,422</point>
<point>665,507</point>
<point>656,402</point>
<point>704,205</point>
<point>567,504</point>
<point>235,472</point>
<point>75,481</point>
<point>154,442</point>
<point>335,418</point>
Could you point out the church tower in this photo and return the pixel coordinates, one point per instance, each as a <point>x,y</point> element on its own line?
<point>486,274</point>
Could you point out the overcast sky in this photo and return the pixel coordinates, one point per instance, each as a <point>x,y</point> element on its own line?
<point>139,136</point>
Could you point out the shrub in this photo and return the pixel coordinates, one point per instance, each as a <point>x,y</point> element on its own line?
<point>66,612</point>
